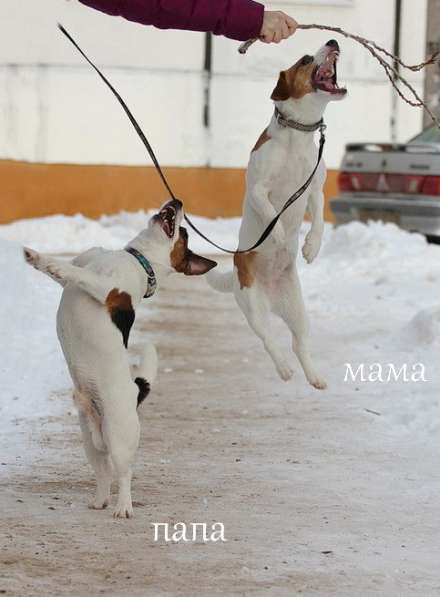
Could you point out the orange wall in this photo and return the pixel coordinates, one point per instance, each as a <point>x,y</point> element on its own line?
<point>32,190</point>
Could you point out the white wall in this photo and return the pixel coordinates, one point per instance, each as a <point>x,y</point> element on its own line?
<point>242,85</point>
<point>53,108</point>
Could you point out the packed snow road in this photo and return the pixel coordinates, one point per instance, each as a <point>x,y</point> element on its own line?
<point>330,493</point>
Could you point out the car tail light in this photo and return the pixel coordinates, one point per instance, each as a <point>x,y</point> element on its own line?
<point>413,184</point>
<point>368,181</point>
<point>344,182</point>
<point>401,183</point>
<point>431,185</point>
<point>410,184</point>
<point>357,181</point>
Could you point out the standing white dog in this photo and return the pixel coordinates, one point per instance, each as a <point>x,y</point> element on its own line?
<point>101,292</point>
<point>283,158</point>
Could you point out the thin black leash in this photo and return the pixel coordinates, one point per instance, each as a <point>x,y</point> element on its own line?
<point>126,110</point>
<point>288,203</point>
<point>150,150</point>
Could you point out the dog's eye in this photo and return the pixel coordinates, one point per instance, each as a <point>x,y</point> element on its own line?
<point>306,60</point>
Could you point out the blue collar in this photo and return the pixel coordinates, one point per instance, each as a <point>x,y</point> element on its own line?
<point>152,282</point>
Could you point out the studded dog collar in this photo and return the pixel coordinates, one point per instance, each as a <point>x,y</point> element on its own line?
<point>299,126</point>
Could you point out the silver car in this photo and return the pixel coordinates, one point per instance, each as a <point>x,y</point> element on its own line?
<point>392,183</point>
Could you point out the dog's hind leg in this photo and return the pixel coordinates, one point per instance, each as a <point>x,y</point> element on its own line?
<point>255,305</point>
<point>121,433</point>
<point>288,304</point>
<point>100,462</point>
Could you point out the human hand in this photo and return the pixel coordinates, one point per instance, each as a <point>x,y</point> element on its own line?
<point>277,26</point>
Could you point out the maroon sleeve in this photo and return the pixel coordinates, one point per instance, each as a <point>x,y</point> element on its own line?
<point>237,19</point>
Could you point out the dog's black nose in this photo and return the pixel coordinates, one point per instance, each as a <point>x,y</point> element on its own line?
<point>333,44</point>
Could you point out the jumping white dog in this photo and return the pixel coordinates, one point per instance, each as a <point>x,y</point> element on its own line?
<point>283,158</point>
<point>101,292</point>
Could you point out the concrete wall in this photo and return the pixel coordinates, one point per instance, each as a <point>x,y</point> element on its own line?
<point>53,108</point>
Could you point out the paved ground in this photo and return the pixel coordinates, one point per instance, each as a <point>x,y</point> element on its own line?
<point>316,497</point>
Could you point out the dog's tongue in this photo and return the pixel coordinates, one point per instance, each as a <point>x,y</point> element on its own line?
<point>327,68</point>
<point>167,227</point>
<point>327,84</point>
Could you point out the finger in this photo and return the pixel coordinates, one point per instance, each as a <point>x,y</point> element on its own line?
<point>278,36</point>
<point>285,32</point>
<point>292,24</point>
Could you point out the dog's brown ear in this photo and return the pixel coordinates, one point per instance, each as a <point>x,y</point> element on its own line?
<point>195,265</point>
<point>281,91</point>
<point>185,261</point>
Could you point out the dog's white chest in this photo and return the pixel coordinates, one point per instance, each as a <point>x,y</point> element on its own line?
<point>291,177</point>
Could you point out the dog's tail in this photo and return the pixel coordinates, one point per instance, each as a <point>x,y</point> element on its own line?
<point>220,281</point>
<point>39,262</point>
<point>145,372</point>
<point>91,412</point>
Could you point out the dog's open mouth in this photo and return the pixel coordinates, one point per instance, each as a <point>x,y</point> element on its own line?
<point>167,216</point>
<point>326,77</point>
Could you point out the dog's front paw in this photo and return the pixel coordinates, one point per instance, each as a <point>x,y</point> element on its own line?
<point>311,246</point>
<point>32,257</point>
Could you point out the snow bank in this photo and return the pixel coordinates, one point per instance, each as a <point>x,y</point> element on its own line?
<point>32,371</point>
<point>424,328</point>
<point>354,243</point>
<point>373,242</point>
<point>74,234</point>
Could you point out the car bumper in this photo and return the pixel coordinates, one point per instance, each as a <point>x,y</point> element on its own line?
<point>413,214</point>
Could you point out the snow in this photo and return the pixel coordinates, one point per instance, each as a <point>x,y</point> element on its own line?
<point>32,368</point>
<point>74,234</point>
<point>378,286</point>
<point>293,473</point>
<point>375,282</point>
<point>424,328</point>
